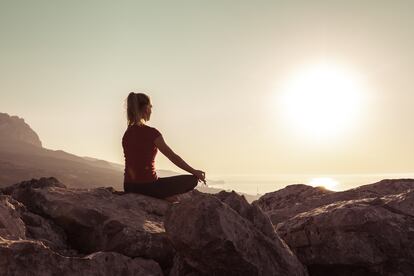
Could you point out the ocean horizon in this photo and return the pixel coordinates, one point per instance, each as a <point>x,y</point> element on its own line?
<point>259,184</point>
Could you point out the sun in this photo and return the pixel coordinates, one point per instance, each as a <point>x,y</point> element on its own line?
<point>322,100</point>
<point>325,182</point>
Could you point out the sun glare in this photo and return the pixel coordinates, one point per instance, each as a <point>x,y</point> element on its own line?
<point>322,100</point>
<point>325,182</point>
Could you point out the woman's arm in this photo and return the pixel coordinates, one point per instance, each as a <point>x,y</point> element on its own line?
<point>177,160</point>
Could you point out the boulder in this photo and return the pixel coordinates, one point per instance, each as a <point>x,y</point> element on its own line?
<point>11,224</point>
<point>289,201</point>
<point>371,236</point>
<point>250,212</point>
<point>16,223</point>
<point>182,268</point>
<point>26,257</point>
<point>46,231</point>
<point>100,219</point>
<point>294,199</point>
<point>214,239</point>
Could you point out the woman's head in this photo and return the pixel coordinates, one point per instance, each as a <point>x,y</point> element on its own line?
<point>138,108</point>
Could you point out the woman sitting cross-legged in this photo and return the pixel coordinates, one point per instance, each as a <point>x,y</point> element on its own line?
<point>140,144</point>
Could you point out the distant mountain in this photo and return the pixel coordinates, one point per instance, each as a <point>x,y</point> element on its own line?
<point>14,129</point>
<point>22,157</point>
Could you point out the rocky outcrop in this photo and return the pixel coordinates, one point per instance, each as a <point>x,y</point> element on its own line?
<point>48,229</point>
<point>99,219</point>
<point>373,236</point>
<point>16,223</point>
<point>217,239</point>
<point>34,245</point>
<point>250,212</point>
<point>11,225</point>
<point>368,230</point>
<point>24,257</point>
<point>14,129</point>
<point>289,201</point>
<point>294,199</point>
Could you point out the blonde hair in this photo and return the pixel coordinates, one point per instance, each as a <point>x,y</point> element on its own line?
<point>136,103</point>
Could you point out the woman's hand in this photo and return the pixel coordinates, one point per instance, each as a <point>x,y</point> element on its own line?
<point>200,175</point>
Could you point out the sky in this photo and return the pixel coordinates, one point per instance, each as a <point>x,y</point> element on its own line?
<point>216,72</point>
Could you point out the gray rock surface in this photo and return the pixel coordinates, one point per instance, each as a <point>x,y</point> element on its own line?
<point>294,199</point>
<point>250,212</point>
<point>368,236</point>
<point>100,219</point>
<point>361,237</point>
<point>11,224</point>
<point>214,239</point>
<point>17,223</point>
<point>27,258</point>
<point>50,229</point>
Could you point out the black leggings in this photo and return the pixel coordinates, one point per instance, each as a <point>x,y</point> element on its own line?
<point>164,186</point>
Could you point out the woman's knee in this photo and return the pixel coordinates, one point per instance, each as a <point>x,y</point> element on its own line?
<point>191,181</point>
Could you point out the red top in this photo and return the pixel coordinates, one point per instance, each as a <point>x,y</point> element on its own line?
<point>139,153</point>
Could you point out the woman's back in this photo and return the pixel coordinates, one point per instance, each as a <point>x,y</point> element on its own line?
<point>141,143</point>
<point>139,153</point>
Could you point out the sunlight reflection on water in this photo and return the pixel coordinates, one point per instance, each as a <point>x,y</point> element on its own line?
<point>261,184</point>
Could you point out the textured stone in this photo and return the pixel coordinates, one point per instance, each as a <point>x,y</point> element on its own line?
<point>294,199</point>
<point>373,236</point>
<point>11,225</point>
<point>26,258</point>
<point>250,212</point>
<point>214,239</point>
<point>101,219</point>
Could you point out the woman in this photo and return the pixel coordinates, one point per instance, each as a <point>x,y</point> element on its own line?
<point>140,143</point>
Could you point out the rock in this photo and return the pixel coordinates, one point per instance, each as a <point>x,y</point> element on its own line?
<point>11,225</point>
<point>250,212</point>
<point>34,258</point>
<point>372,236</point>
<point>47,228</point>
<point>41,229</point>
<point>214,239</point>
<point>181,268</point>
<point>100,219</point>
<point>18,223</point>
<point>290,195</point>
<point>294,199</point>
<point>381,188</point>
<point>287,202</point>
<point>43,182</point>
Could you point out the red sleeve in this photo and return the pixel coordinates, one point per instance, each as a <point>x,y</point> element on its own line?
<point>155,133</point>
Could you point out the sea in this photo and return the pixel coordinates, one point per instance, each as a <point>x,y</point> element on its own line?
<point>259,184</point>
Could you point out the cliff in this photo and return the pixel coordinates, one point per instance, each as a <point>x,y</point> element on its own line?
<point>14,129</point>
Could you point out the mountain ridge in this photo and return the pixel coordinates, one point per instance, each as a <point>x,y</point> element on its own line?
<point>23,157</point>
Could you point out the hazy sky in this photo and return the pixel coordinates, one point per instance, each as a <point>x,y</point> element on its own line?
<point>214,70</point>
